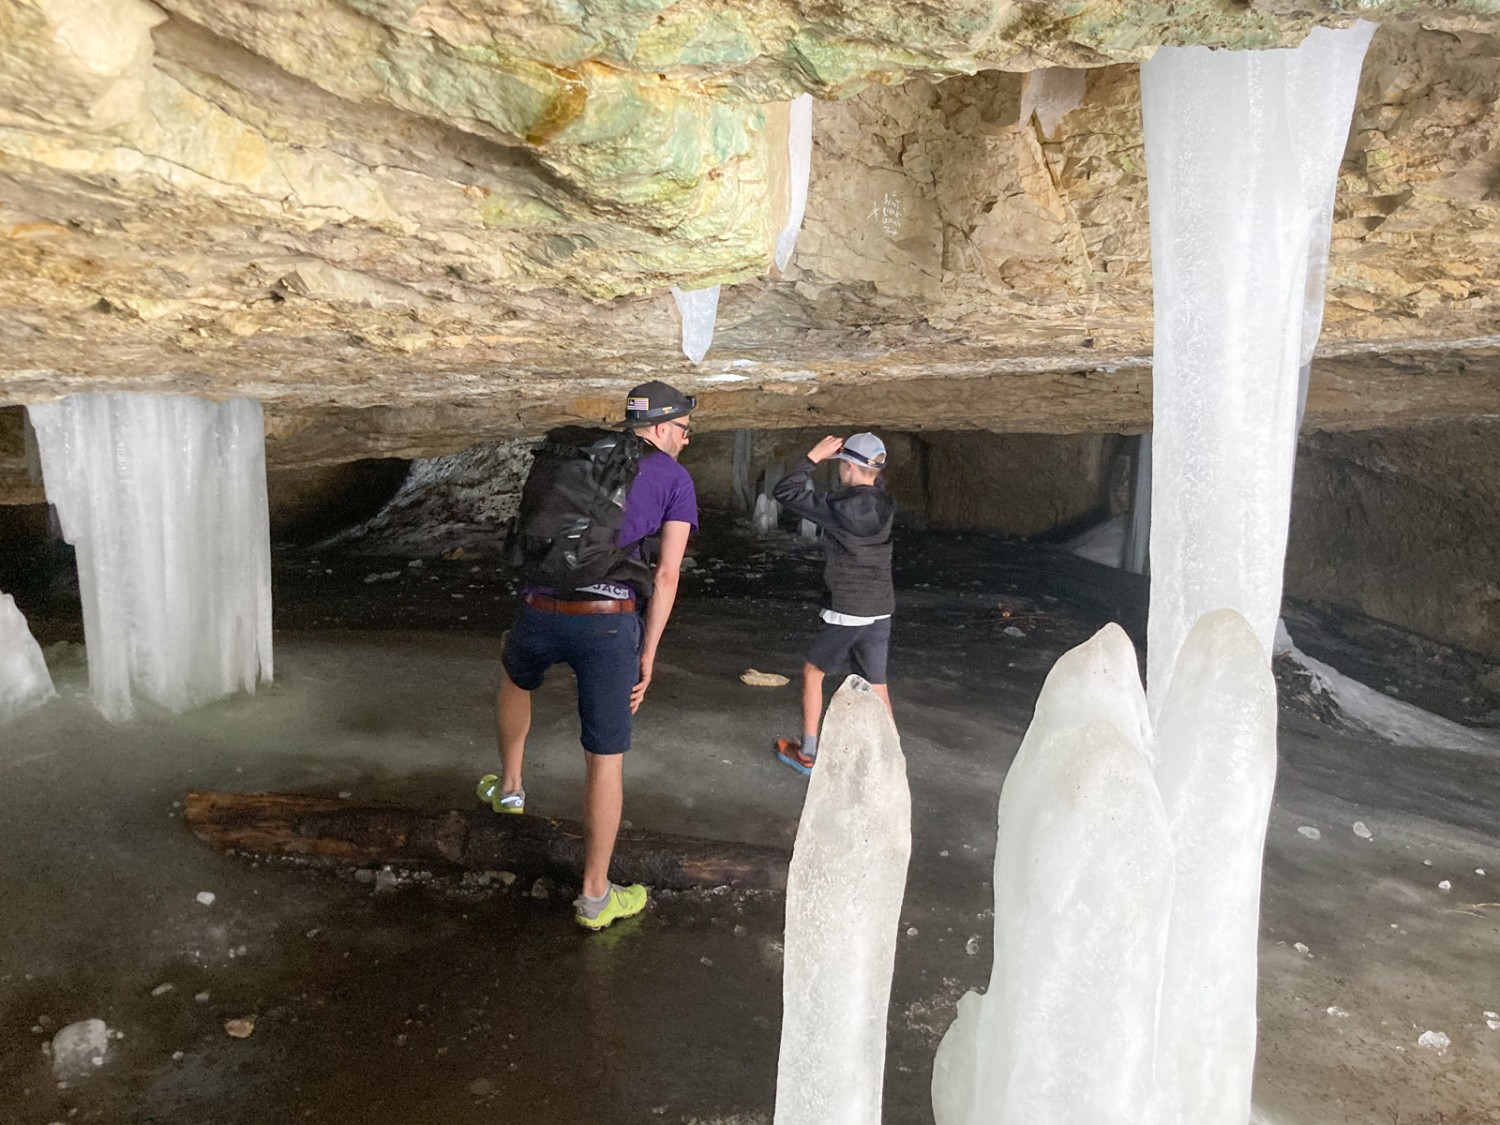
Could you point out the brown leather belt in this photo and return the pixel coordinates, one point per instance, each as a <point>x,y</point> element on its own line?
<point>580,605</point>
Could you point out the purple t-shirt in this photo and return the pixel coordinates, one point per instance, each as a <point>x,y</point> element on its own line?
<point>662,492</point>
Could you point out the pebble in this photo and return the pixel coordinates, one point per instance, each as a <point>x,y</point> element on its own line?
<point>1479,871</point>
<point>911,931</point>
<point>364,875</point>
<point>161,990</point>
<point>1013,631</point>
<point>242,1028</point>
<point>1362,831</point>
<point>1310,832</point>
<point>177,1056</point>
<point>386,880</point>
<point>971,947</point>
<point>1338,1013</point>
<point>1434,1041</point>
<point>206,897</point>
<point>202,998</point>
<point>539,889</point>
<point>706,961</point>
<point>344,794</point>
<point>1445,885</point>
<point>1300,948</point>
<point>1492,1020</point>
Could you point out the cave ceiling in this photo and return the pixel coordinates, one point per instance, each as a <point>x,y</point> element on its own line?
<point>405,225</point>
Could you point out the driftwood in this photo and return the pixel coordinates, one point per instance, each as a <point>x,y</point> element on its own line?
<point>288,824</point>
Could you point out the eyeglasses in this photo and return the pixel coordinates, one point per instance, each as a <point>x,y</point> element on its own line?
<point>686,428</point>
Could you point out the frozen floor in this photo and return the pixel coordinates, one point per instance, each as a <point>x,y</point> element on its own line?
<point>436,1002</point>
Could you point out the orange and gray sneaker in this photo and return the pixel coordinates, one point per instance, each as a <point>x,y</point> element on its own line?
<point>490,793</point>
<point>615,904</point>
<point>789,751</point>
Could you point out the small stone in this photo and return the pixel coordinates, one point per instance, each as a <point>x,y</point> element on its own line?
<point>386,880</point>
<point>971,947</point>
<point>481,1087</point>
<point>1338,1013</point>
<point>206,898</point>
<point>911,931</point>
<point>1300,948</point>
<point>1310,833</point>
<point>506,877</point>
<point>201,998</point>
<point>1362,831</point>
<point>79,1047</point>
<point>1013,631</point>
<point>177,1056</point>
<point>539,889</point>
<point>1445,885</point>
<point>1479,871</point>
<point>1434,1041</point>
<point>242,1028</point>
<point>364,875</point>
<point>161,989</point>
<point>706,961</point>
<point>1427,863</point>
<point>344,794</point>
<point>740,931</point>
<point>944,853</point>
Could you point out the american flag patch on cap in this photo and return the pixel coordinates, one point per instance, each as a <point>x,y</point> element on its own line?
<point>638,404</point>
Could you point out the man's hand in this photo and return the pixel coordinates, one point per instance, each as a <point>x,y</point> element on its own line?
<point>638,692</point>
<point>825,449</point>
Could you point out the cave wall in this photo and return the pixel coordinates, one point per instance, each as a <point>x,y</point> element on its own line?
<point>1403,525</point>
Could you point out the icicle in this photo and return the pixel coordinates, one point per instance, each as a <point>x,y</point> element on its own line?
<point>1051,94</point>
<point>744,497</point>
<point>698,308</point>
<point>853,844</point>
<point>799,167</point>
<point>807,529</point>
<point>1235,145</point>
<point>164,499</point>
<point>24,680</point>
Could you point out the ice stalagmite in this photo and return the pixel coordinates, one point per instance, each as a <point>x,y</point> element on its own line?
<point>1241,153</point>
<point>24,679</point>
<point>1216,765</point>
<point>1065,1035</point>
<point>799,165</point>
<point>699,308</point>
<point>843,906</point>
<point>164,499</point>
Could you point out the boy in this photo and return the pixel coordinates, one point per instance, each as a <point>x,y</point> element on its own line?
<point>856,522</point>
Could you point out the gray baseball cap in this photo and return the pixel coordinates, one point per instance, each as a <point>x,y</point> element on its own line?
<point>864,450</point>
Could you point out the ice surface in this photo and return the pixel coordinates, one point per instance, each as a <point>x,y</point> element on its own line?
<point>799,165</point>
<point>1083,878</point>
<point>1051,93</point>
<point>767,514</point>
<point>744,494</point>
<point>1216,766</point>
<point>24,679</point>
<point>699,308</point>
<point>1104,543</point>
<point>164,499</point>
<point>80,1047</point>
<point>843,906</point>
<point>1237,155</point>
<point>1136,550</point>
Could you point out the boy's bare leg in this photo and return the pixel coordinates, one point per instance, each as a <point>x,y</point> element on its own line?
<point>512,723</point>
<point>812,698</point>
<point>884,692</point>
<point>603,798</point>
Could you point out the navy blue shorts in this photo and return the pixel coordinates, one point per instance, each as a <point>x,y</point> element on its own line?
<point>864,647</point>
<point>604,651</point>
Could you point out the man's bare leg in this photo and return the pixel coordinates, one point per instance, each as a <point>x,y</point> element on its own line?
<point>512,723</point>
<point>812,698</point>
<point>884,692</point>
<point>603,798</point>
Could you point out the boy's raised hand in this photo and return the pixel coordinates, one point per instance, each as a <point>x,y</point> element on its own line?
<point>825,449</point>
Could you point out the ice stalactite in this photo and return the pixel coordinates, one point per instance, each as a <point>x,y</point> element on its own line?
<point>24,680</point>
<point>843,906</point>
<point>1135,553</point>
<point>164,500</point>
<point>1242,154</point>
<point>744,495</point>
<point>699,309</point>
<point>1051,94</point>
<point>799,167</point>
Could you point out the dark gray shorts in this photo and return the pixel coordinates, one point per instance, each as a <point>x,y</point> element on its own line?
<point>865,647</point>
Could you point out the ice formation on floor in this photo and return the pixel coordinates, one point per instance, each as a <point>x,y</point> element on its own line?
<point>699,309</point>
<point>164,500</point>
<point>1051,93</point>
<point>843,906</point>
<point>1242,151</point>
<point>799,165</point>
<point>24,680</point>
<point>1083,885</point>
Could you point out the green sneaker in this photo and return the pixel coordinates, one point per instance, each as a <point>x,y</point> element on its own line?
<point>490,793</point>
<point>621,902</point>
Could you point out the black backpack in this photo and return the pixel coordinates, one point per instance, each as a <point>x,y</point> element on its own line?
<point>572,508</point>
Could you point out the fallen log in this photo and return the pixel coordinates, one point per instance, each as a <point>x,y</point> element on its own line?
<point>338,831</point>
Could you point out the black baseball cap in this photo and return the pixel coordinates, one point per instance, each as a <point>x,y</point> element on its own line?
<point>655,402</point>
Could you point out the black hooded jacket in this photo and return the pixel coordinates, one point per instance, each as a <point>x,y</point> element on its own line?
<point>856,525</point>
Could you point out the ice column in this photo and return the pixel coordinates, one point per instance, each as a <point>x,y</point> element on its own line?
<point>699,308</point>
<point>1216,765</point>
<point>799,165</point>
<point>24,679</point>
<point>1065,1034</point>
<point>1242,153</point>
<point>843,906</point>
<point>740,469</point>
<point>1135,554</point>
<point>1051,93</point>
<point>164,499</point>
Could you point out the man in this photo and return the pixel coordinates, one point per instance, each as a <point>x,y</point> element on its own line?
<point>598,632</point>
<point>856,521</point>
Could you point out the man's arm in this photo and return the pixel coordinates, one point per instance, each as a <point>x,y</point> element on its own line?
<point>674,540</point>
<point>792,493</point>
